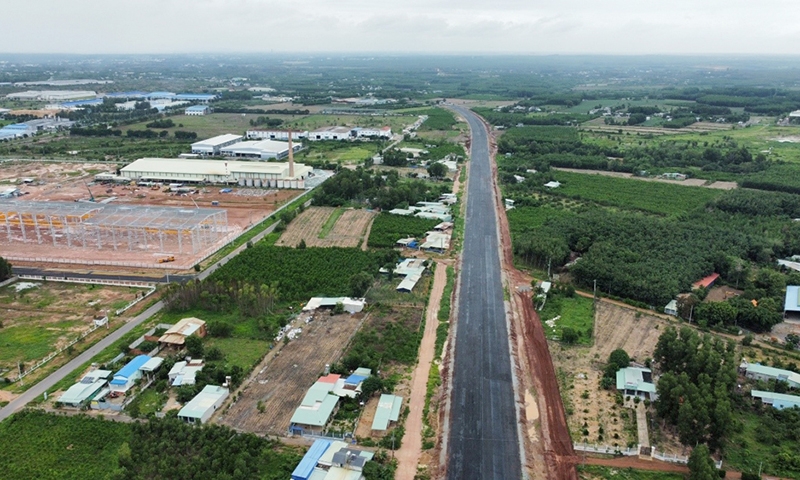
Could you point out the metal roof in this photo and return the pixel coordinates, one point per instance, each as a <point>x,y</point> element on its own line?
<point>777,373</point>
<point>792,302</point>
<point>388,410</point>
<point>306,466</point>
<point>110,215</point>
<point>197,108</point>
<point>632,378</point>
<point>776,396</point>
<point>218,140</point>
<point>204,400</point>
<point>132,367</point>
<point>318,412</point>
<point>84,389</point>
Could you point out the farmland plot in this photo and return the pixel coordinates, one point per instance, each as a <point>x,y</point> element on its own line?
<point>591,409</point>
<point>347,231</point>
<point>282,380</point>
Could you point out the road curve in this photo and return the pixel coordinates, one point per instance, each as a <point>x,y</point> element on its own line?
<point>483,437</point>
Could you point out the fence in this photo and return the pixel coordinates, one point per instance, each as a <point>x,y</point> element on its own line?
<point>629,452</point>
<point>52,355</point>
<point>119,283</point>
<point>91,281</point>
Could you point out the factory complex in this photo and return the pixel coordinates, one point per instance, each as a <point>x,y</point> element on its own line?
<point>230,172</point>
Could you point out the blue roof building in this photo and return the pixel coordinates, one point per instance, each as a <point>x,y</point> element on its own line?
<point>196,97</point>
<point>132,94</point>
<point>169,95</point>
<point>306,466</point>
<point>129,374</point>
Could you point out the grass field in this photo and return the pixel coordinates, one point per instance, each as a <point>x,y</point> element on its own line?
<point>576,313</point>
<point>744,452</point>
<point>339,152</point>
<point>313,122</point>
<point>243,352</point>
<point>208,125</point>
<point>38,320</point>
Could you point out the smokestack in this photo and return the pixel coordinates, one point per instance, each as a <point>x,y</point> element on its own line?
<point>291,156</point>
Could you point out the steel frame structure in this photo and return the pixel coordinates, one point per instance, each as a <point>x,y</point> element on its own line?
<point>105,226</point>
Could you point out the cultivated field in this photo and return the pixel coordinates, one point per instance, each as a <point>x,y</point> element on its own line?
<point>689,182</point>
<point>598,125</point>
<point>327,227</point>
<point>282,380</point>
<point>40,317</point>
<point>580,370</point>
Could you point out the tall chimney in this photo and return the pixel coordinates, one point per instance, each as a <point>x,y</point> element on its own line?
<point>291,156</point>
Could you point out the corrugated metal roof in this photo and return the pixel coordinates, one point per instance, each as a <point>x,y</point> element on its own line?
<point>792,303</point>
<point>776,396</point>
<point>132,367</point>
<point>218,140</point>
<point>388,410</point>
<point>777,373</point>
<point>306,466</point>
<point>183,166</point>
<point>204,400</point>
<point>318,414</point>
<point>632,378</point>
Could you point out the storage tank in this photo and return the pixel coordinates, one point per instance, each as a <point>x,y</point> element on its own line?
<point>241,182</point>
<point>249,182</point>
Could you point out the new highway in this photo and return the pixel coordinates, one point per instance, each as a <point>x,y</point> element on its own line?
<point>483,437</point>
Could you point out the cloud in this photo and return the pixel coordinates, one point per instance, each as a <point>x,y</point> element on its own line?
<point>503,26</point>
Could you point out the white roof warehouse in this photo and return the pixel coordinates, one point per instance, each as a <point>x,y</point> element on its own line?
<point>271,174</point>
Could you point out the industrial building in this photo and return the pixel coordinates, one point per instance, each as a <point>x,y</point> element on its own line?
<point>112,227</point>
<point>260,150</point>
<point>330,133</point>
<point>204,404</point>
<point>52,95</point>
<point>269,134</point>
<point>212,146</point>
<point>258,174</point>
<point>83,391</point>
<point>372,132</point>
<point>197,110</point>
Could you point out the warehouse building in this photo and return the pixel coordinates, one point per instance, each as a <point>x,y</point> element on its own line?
<point>331,133</point>
<point>252,174</point>
<point>52,95</point>
<point>260,150</point>
<point>637,382</point>
<point>757,371</point>
<point>271,134</point>
<point>202,407</point>
<point>197,110</point>
<point>212,146</point>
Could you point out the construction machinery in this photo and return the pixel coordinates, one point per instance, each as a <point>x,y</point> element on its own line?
<point>166,259</point>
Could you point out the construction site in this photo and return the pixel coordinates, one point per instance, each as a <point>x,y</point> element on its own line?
<point>57,213</point>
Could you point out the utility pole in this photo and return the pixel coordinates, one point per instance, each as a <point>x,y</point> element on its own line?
<point>594,293</point>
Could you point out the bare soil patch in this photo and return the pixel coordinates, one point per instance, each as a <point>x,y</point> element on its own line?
<point>722,293</point>
<point>281,381</point>
<point>69,182</point>
<point>348,231</point>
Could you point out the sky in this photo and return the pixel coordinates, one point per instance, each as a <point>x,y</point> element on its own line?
<point>628,27</point>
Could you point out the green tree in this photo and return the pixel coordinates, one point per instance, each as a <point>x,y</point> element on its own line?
<point>194,346</point>
<point>569,335</point>
<point>5,269</point>
<point>360,283</point>
<point>701,466</point>
<point>437,170</point>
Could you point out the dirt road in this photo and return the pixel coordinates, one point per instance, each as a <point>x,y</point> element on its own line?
<point>409,453</point>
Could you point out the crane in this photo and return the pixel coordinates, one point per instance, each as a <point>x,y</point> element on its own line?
<point>91,197</point>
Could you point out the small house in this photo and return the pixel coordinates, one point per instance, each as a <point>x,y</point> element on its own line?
<point>388,411</point>
<point>778,401</point>
<point>86,389</point>
<point>636,382</point>
<point>672,308</point>
<point>176,334</point>
<point>128,375</point>
<point>204,404</point>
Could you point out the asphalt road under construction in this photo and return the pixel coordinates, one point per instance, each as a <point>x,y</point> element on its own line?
<point>483,435</point>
